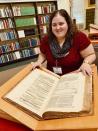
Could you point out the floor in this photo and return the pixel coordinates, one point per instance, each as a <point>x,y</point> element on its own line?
<point>9,71</point>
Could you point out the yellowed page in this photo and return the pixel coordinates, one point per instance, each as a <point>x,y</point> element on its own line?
<point>69,94</point>
<point>33,91</point>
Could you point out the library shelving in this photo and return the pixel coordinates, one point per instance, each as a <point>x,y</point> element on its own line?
<point>43,11</point>
<point>22,25</point>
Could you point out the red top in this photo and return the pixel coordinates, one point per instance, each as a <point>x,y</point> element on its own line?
<point>6,125</point>
<point>70,62</point>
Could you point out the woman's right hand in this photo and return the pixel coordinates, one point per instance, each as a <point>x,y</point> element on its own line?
<point>35,64</point>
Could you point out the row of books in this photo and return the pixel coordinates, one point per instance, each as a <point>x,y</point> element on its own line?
<point>23,10</point>
<point>43,19</point>
<point>13,46</point>
<point>43,9</point>
<point>8,35</point>
<point>43,29</point>
<point>18,55</point>
<point>20,22</point>
<point>26,10</point>
<point>5,12</point>
<point>27,32</point>
<point>29,43</point>
<point>6,23</point>
<point>9,47</point>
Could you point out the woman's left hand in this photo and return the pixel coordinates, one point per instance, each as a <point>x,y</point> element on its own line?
<point>86,69</point>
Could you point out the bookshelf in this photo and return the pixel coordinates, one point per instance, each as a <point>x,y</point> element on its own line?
<point>44,10</point>
<point>90,14</point>
<point>22,25</point>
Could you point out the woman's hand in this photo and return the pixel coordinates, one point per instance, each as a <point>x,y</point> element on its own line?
<point>86,69</point>
<point>35,64</point>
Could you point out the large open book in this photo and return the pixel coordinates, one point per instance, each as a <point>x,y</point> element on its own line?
<point>45,95</point>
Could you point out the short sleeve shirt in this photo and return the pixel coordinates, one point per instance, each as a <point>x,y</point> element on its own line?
<point>69,62</point>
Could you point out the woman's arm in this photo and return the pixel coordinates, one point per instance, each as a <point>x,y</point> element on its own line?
<point>89,57</point>
<point>88,54</point>
<point>40,60</point>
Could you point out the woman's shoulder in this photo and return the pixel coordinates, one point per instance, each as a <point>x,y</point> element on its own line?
<point>80,34</point>
<point>81,40</point>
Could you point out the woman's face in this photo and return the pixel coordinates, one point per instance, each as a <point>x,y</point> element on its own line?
<point>59,26</point>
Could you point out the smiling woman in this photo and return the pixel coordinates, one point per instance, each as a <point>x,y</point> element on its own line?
<point>65,48</point>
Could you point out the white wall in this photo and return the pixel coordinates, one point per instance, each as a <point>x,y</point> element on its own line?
<point>64,4</point>
<point>78,10</point>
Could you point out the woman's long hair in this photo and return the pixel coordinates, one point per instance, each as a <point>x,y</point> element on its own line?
<point>71,26</point>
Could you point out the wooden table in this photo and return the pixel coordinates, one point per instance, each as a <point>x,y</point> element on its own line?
<point>86,123</point>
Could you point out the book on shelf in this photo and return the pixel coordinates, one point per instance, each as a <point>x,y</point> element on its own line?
<point>2,13</point>
<point>21,33</point>
<point>20,22</point>
<point>31,31</point>
<point>43,19</point>
<point>6,23</point>
<point>25,10</point>
<point>5,12</point>
<point>17,54</point>
<point>26,32</point>
<point>47,8</point>
<point>33,42</point>
<point>45,95</point>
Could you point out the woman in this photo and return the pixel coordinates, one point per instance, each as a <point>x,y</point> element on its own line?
<point>65,48</point>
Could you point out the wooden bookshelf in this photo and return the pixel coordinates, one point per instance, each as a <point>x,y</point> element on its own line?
<point>90,14</point>
<point>22,25</point>
<point>44,10</point>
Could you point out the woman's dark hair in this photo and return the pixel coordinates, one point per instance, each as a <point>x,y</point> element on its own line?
<point>63,13</point>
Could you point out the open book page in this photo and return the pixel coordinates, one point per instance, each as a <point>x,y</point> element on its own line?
<point>68,96</point>
<point>33,91</point>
